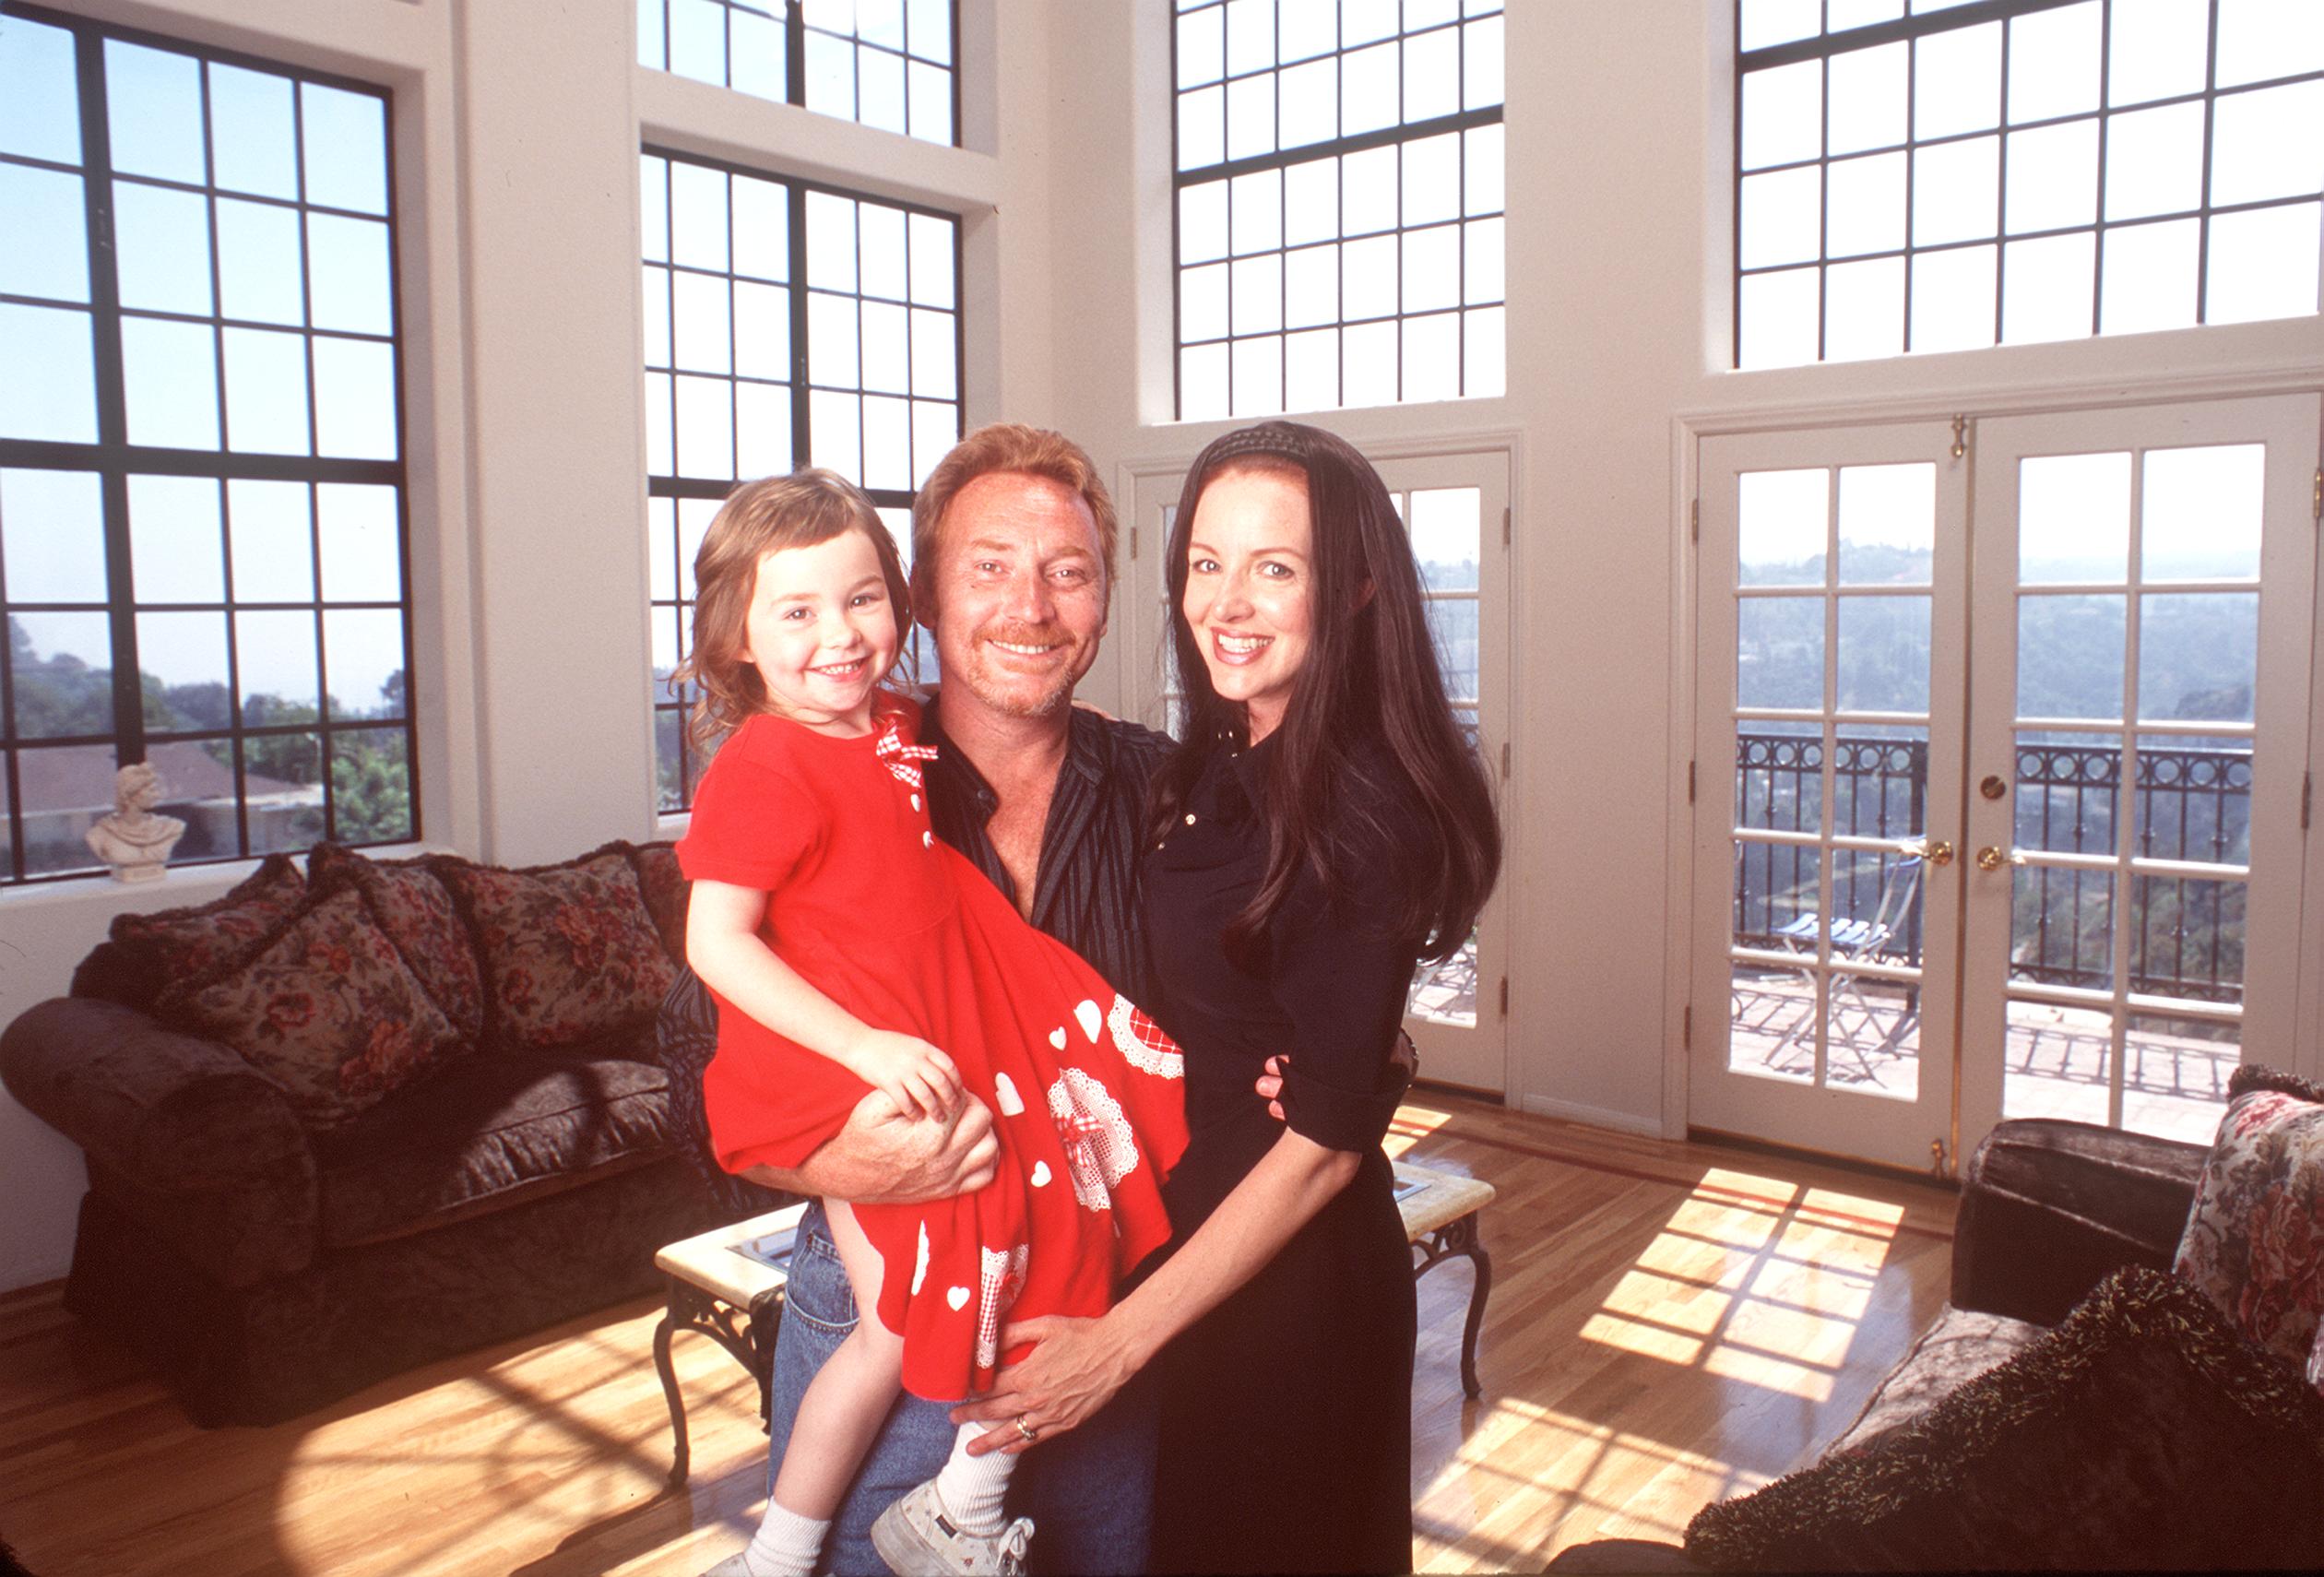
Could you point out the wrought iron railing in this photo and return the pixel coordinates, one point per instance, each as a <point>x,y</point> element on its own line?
<point>1879,789</point>
<point>2190,803</point>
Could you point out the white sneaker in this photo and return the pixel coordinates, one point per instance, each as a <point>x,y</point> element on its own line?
<point>732,1566</point>
<point>918,1540</point>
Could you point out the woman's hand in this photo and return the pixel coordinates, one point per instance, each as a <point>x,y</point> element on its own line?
<point>918,1077</point>
<point>1075,1370</point>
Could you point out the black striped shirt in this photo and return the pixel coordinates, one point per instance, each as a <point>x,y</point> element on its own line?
<point>1085,893</point>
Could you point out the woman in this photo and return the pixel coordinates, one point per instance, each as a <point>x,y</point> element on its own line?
<point>1322,827</point>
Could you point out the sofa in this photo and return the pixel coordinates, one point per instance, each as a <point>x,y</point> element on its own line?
<point>2126,1373</point>
<point>347,1120</point>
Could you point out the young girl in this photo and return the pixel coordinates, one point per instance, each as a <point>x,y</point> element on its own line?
<point>848,947</point>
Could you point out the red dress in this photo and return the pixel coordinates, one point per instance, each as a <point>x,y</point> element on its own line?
<point>895,925</point>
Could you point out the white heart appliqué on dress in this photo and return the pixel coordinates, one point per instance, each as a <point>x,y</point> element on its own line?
<point>958,1297</point>
<point>1004,1095</point>
<point>1086,1011</point>
<point>1056,1038</point>
<point>1040,1174</point>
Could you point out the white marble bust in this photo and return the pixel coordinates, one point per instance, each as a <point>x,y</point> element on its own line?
<point>134,841</point>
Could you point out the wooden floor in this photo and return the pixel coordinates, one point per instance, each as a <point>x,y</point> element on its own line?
<point>1669,1324</point>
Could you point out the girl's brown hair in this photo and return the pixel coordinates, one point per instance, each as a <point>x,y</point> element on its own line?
<point>808,506</point>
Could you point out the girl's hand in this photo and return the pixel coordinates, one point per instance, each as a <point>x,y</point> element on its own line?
<point>1075,1370</point>
<point>918,1077</point>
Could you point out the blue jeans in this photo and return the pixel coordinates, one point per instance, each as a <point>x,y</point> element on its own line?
<point>1090,1493</point>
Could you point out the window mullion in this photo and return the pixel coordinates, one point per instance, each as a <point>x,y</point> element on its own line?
<point>113,419</point>
<point>801,391</point>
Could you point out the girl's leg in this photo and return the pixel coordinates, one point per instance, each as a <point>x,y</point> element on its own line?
<point>851,1395</point>
<point>838,1417</point>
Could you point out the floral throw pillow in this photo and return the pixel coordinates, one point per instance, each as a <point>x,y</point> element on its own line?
<point>667,891</point>
<point>2255,1239</point>
<point>570,952</point>
<point>326,1008</point>
<point>415,909</point>
<point>171,947</point>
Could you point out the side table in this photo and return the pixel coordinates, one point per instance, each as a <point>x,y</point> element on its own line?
<point>728,1284</point>
<point>1440,1211</point>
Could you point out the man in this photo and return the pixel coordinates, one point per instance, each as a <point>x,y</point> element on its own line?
<point>1012,559</point>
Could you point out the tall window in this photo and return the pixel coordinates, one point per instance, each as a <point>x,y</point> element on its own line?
<point>1339,202</point>
<point>2014,170</point>
<point>786,325</point>
<point>884,63</point>
<point>202,539</point>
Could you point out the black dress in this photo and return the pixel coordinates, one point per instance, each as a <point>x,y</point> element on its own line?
<point>1287,1412</point>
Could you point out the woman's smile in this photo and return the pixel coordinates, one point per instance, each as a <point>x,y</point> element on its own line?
<point>1247,571</point>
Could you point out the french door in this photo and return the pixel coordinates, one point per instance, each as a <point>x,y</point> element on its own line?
<point>2001,740</point>
<point>1455,507</point>
<point>1833,574</point>
<point>2138,750</point>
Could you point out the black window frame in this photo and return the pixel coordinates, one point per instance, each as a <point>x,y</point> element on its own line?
<point>113,460</point>
<point>1910,30</point>
<point>1459,123</point>
<point>793,20</point>
<point>680,488</point>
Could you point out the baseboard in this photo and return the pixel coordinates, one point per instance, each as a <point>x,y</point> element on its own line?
<point>1595,1115</point>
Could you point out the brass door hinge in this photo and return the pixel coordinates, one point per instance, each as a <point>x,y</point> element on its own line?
<point>1961,436</point>
<point>1504,758</point>
<point>1690,783</point>
<point>1504,526</point>
<point>1133,544</point>
<point>1694,521</point>
<point>2315,499</point>
<point>1686,1027</point>
<point>1504,996</point>
<point>2307,796</point>
<point>1940,1162</point>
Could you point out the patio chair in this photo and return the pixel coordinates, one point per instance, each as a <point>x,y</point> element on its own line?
<point>1854,939</point>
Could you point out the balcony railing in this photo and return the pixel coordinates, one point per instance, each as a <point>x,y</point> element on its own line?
<point>2191,804</point>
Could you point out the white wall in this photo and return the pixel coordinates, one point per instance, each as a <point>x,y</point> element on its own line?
<point>516,127</point>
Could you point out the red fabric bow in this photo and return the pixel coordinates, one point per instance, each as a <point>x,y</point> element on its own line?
<point>898,756</point>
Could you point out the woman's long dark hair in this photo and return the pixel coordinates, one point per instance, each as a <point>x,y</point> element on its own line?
<point>1370,674</point>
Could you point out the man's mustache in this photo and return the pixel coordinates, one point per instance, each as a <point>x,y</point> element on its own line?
<point>1018,633</point>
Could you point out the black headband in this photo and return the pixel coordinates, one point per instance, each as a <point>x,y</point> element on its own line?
<point>1283,440</point>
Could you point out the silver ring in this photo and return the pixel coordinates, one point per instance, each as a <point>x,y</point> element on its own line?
<point>1027,1431</point>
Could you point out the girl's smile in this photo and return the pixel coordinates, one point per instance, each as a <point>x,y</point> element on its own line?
<point>821,632</point>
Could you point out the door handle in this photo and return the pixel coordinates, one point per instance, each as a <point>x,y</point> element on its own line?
<point>1992,858</point>
<point>1935,851</point>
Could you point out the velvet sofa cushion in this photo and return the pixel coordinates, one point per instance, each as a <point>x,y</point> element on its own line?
<point>2143,1432</point>
<point>2255,1239</point>
<point>1961,1345</point>
<point>569,951</point>
<point>324,1007</point>
<point>486,1132</point>
<point>416,910</point>
<point>145,955</point>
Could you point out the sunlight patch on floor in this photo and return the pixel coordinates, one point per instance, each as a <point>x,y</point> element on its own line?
<point>1525,1470</point>
<point>1752,1279</point>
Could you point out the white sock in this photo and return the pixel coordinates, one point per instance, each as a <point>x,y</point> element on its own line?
<point>972,1487</point>
<point>786,1544</point>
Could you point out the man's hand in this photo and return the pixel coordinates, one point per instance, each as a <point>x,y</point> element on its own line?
<point>883,1156</point>
<point>1404,1062</point>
